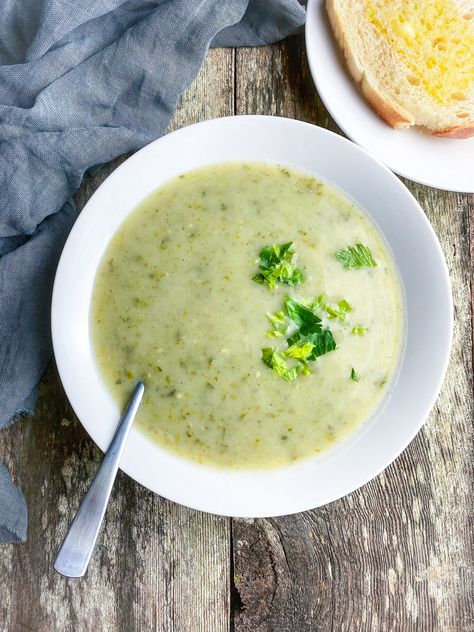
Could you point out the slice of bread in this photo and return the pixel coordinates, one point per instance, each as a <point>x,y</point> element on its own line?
<point>414,60</point>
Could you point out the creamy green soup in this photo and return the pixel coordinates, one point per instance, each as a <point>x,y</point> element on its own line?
<point>175,304</point>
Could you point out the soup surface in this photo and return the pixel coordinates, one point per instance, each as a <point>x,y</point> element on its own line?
<point>177,303</point>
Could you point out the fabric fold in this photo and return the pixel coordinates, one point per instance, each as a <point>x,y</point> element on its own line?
<point>13,511</point>
<point>80,84</point>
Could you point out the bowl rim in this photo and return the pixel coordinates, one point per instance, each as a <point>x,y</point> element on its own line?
<point>216,482</point>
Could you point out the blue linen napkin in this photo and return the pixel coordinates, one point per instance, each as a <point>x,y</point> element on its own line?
<point>81,83</point>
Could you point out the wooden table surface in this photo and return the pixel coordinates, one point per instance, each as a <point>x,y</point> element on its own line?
<point>396,555</point>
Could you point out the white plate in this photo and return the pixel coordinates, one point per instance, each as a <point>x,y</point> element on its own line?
<point>422,270</point>
<point>443,163</point>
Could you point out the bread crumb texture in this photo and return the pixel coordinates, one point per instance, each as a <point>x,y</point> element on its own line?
<point>434,40</point>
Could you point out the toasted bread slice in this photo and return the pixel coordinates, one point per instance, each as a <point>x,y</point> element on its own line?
<point>414,60</point>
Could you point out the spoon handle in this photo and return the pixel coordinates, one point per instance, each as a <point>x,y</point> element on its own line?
<point>76,549</point>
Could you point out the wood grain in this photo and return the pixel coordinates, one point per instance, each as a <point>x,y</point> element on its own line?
<point>158,565</point>
<point>398,554</point>
<point>395,556</point>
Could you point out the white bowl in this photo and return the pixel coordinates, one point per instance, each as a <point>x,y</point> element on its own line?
<point>422,271</point>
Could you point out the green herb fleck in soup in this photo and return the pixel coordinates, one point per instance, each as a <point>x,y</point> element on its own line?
<point>257,304</point>
<point>276,266</point>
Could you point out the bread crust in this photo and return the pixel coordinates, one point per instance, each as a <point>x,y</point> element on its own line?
<point>389,114</point>
<point>461,131</point>
<point>397,118</point>
<point>393,114</point>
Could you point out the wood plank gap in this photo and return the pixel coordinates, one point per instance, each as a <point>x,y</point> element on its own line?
<point>234,81</point>
<point>470,232</point>
<point>234,595</point>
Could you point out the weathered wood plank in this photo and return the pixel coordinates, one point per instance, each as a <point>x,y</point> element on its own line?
<point>158,566</point>
<point>397,554</point>
<point>276,80</point>
<point>394,556</point>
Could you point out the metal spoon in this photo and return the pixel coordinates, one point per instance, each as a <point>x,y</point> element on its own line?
<point>76,549</point>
